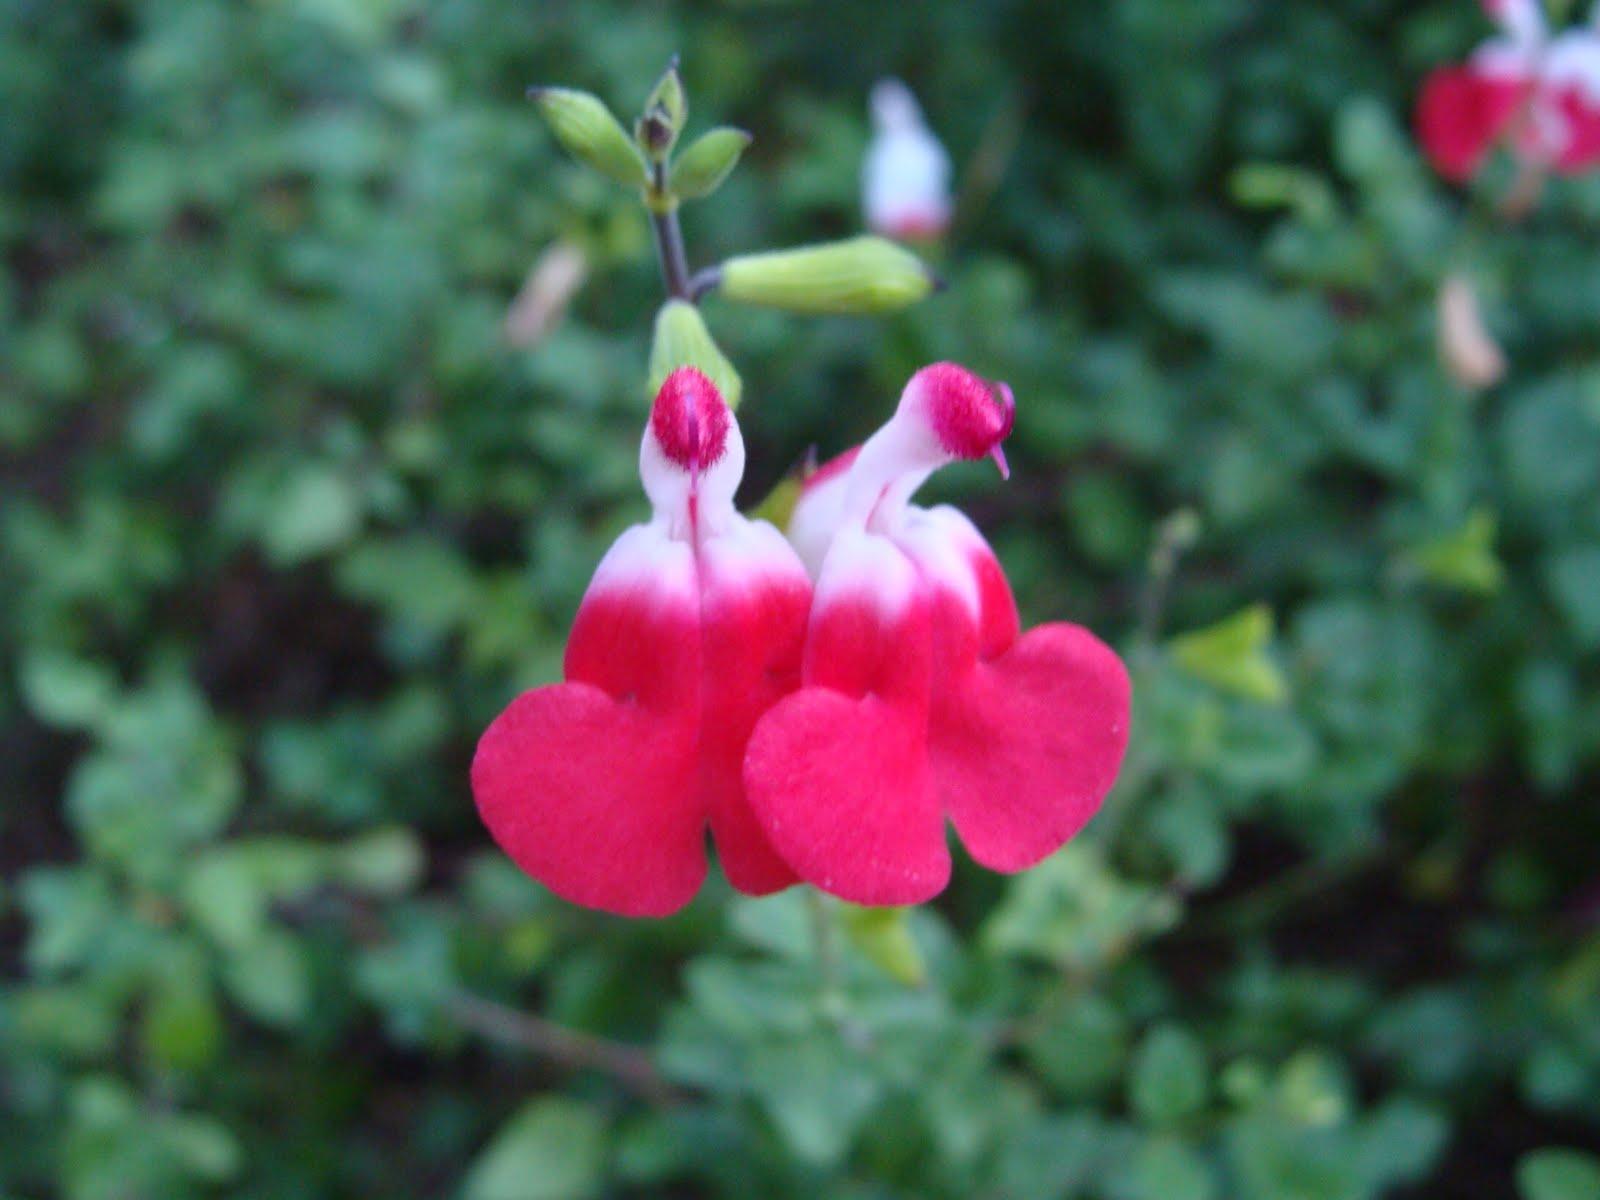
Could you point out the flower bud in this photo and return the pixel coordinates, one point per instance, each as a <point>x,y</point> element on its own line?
<point>588,131</point>
<point>707,161</point>
<point>859,275</point>
<point>664,115</point>
<point>682,340</point>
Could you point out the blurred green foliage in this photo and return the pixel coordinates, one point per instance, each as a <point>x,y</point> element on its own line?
<point>286,520</point>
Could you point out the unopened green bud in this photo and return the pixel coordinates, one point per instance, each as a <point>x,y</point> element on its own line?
<point>860,275</point>
<point>588,131</point>
<point>682,340</point>
<point>654,135</point>
<point>665,113</point>
<point>707,161</point>
<point>668,98</point>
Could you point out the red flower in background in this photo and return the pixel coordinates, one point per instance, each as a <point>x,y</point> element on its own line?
<point>602,787</point>
<point>921,697</point>
<point>1540,95</point>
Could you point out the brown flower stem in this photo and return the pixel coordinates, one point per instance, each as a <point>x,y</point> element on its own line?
<point>630,1066</point>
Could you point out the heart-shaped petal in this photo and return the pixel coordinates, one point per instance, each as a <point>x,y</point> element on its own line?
<point>1025,747</point>
<point>596,798</point>
<point>841,786</point>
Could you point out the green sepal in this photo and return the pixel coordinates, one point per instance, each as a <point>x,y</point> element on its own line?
<point>585,127</point>
<point>682,340</point>
<point>707,162</point>
<point>883,935</point>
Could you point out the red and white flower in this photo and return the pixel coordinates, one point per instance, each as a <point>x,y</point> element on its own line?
<point>905,178</point>
<point>602,787</point>
<point>1539,94</point>
<point>921,698</point>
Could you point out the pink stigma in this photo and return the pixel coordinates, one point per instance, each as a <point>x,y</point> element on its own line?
<point>970,416</point>
<point>690,420</point>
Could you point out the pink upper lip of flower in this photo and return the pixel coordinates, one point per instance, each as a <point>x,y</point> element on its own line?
<point>690,421</point>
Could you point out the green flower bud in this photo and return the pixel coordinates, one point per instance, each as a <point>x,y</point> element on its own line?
<point>588,131</point>
<point>707,161</point>
<point>682,340</point>
<point>665,113</point>
<point>860,275</point>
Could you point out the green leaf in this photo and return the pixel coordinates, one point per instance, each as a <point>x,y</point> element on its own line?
<point>1274,185</point>
<point>317,508</point>
<point>586,129</point>
<point>1232,655</point>
<point>383,862</point>
<point>182,1028</point>
<point>1574,580</point>
<point>1463,559</point>
<point>69,909</point>
<point>707,161</point>
<point>1074,911</point>
<point>1082,1050</point>
<point>1165,1168</point>
<point>1559,1174</point>
<point>65,690</point>
<point>1273,1158</point>
<point>1168,1078</point>
<point>817,1093</point>
<point>552,1149</point>
<point>270,978</point>
<point>225,897</point>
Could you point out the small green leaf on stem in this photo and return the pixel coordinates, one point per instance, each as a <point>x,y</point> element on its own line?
<point>707,162</point>
<point>585,127</point>
<point>858,275</point>
<point>1463,559</point>
<point>1232,655</point>
<point>1556,1173</point>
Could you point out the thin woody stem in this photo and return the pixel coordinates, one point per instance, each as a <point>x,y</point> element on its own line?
<point>707,279</point>
<point>629,1065</point>
<point>668,237</point>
